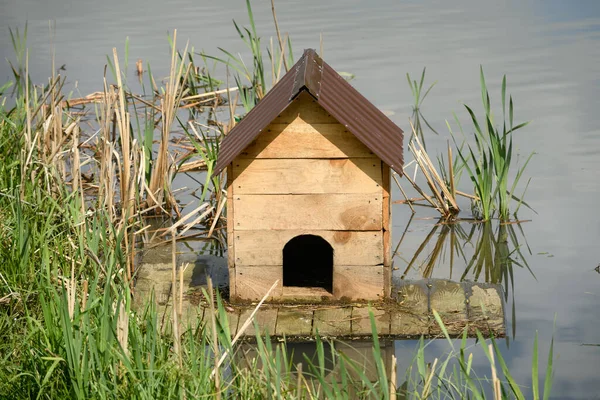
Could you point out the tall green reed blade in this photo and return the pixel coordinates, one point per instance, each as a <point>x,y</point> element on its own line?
<point>208,149</point>
<point>19,44</point>
<point>418,97</point>
<point>490,171</point>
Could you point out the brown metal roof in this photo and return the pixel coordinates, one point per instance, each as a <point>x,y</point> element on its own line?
<point>335,95</point>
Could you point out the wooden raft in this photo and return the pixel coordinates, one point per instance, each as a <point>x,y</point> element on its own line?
<point>408,314</point>
<point>461,306</point>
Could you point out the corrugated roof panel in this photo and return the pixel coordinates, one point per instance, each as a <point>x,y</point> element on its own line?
<point>362,118</point>
<point>335,95</point>
<point>274,102</point>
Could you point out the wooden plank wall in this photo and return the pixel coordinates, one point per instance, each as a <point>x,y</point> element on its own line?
<point>306,174</point>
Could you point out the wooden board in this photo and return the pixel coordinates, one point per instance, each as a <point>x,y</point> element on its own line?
<point>305,107</point>
<point>387,229</point>
<point>304,140</point>
<point>357,212</point>
<point>306,176</point>
<point>266,320</point>
<point>300,294</point>
<point>410,324</point>
<point>265,247</point>
<point>414,296</point>
<point>253,283</point>
<point>448,300</point>
<point>296,322</point>
<point>484,303</point>
<point>358,282</point>
<point>361,321</point>
<point>230,237</point>
<point>332,321</point>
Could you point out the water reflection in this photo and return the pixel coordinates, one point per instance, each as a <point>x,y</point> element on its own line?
<point>486,252</point>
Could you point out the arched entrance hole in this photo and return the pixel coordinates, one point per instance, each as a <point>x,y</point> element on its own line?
<point>308,262</point>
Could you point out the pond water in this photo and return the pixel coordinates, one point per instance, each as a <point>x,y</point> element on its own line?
<point>550,52</point>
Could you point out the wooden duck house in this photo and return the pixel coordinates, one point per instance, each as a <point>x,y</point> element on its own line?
<point>308,185</point>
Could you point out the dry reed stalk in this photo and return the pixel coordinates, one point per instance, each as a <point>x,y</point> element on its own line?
<point>196,221</point>
<point>180,302</point>
<point>76,172</point>
<point>281,46</point>
<point>299,381</point>
<point>421,192</point>
<point>176,333</point>
<point>122,118</point>
<point>215,345</point>
<point>428,380</point>
<point>244,326</point>
<point>467,195</point>
<point>393,371</point>
<point>272,61</point>
<point>495,380</point>
<point>217,215</point>
<point>173,228</point>
<point>403,193</point>
<point>451,172</point>
<point>71,288</point>
<point>105,146</point>
<point>443,199</point>
<point>209,94</point>
<point>139,69</point>
<point>84,294</point>
<point>321,45</point>
<point>174,92</point>
<point>282,60</point>
<point>423,165</point>
<point>197,165</point>
<point>123,328</point>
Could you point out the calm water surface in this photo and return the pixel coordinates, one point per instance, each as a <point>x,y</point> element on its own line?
<point>550,51</point>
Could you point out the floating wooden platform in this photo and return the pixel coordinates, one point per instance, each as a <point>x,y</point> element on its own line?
<point>409,314</point>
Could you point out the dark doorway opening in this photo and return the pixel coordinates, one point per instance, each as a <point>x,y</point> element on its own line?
<point>308,262</point>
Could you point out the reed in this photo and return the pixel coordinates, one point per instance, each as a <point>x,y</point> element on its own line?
<point>252,82</point>
<point>418,97</point>
<point>489,162</point>
<point>168,105</point>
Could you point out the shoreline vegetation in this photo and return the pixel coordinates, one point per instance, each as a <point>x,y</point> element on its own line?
<point>78,177</point>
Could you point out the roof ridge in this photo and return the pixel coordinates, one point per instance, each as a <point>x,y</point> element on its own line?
<point>332,92</point>
<point>309,71</point>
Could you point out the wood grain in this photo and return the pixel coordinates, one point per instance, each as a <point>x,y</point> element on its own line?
<point>230,235</point>
<point>304,140</point>
<point>296,322</point>
<point>361,321</point>
<point>332,321</point>
<point>307,176</point>
<point>387,228</point>
<point>358,282</point>
<point>306,108</point>
<point>360,212</point>
<point>253,283</point>
<point>266,319</point>
<point>265,247</point>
